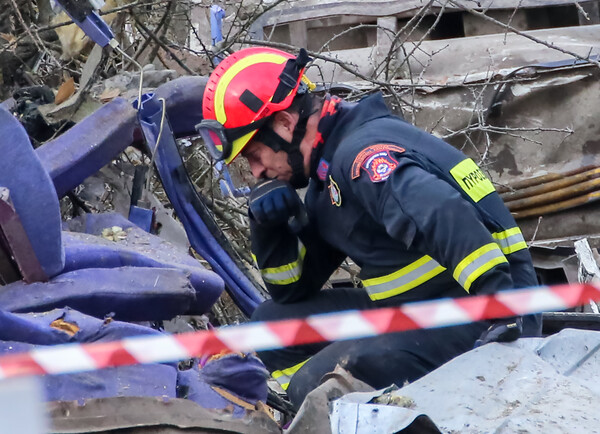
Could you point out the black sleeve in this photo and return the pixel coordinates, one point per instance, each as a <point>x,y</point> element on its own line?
<point>293,267</point>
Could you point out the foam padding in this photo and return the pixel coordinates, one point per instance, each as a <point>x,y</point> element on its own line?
<point>129,293</point>
<point>90,145</point>
<point>242,377</point>
<point>24,332</point>
<point>137,249</point>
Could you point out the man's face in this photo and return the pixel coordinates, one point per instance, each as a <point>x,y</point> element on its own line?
<point>266,163</point>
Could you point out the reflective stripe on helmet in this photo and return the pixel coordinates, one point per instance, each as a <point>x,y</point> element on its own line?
<point>235,69</point>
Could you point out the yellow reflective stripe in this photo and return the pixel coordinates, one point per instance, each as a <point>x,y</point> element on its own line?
<point>284,376</point>
<point>287,273</point>
<point>403,280</point>
<point>510,240</point>
<point>476,263</point>
<point>235,69</point>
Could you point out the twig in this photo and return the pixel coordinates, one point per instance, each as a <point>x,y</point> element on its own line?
<point>161,43</point>
<point>343,65</point>
<point>161,28</point>
<point>536,230</point>
<point>39,45</point>
<point>511,18</point>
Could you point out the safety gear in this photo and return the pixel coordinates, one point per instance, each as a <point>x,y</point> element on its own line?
<point>418,234</point>
<point>505,330</point>
<point>242,93</point>
<point>274,202</point>
<point>420,220</point>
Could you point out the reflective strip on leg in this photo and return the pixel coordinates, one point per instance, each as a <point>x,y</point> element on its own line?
<point>284,376</point>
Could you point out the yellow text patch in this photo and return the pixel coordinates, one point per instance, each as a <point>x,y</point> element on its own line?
<point>472,180</point>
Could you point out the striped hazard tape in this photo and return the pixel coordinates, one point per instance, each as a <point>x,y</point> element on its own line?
<point>258,336</point>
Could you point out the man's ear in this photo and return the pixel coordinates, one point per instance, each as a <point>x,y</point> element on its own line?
<point>286,120</point>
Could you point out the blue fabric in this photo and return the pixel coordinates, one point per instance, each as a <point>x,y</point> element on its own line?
<point>36,329</point>
<point>186,203</point>
<point>217,13</point>
<point>141,380</point>
<point>32,193</point>
<point>142,217</point>
<point>24,332</point>
<point>139,249</point>
<point>243,376</point>
<point>130,293</point>
<point>88,146</point>
<point>183,101</point>
<point>113,127</point>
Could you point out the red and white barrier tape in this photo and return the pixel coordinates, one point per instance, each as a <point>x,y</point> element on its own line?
<point>258,336</point>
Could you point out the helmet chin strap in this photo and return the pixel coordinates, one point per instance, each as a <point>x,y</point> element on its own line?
<point>278,143</point>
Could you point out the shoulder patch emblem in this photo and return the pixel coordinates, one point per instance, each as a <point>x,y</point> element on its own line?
<point>377,161</point>
<point>334,192</point>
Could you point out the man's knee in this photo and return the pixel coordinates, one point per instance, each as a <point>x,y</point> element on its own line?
<point>266,311</point>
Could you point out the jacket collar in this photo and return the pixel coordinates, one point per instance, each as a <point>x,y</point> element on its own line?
<point>337,118</point>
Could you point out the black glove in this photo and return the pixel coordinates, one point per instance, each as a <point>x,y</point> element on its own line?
<point>274,202</point>
<point>506,330</point>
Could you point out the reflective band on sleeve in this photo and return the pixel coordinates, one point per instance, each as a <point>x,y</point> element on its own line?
<point>288,273</point>
<point>403,280</point>
<point>510,240</point>
<point>284,376</point>
<point>475,264</point>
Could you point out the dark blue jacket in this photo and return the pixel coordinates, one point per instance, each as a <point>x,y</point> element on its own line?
<point>419,217</point>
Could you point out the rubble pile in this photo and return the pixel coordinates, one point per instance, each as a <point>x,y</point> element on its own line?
<point>96,276</point>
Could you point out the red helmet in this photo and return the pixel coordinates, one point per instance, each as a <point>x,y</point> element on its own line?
<point>243,90</point>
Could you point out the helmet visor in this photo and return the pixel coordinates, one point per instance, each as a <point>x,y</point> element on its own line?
<point>215,139</point>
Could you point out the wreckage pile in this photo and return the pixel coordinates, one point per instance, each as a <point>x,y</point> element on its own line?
<point>99,277</point>
<point>95,248</point>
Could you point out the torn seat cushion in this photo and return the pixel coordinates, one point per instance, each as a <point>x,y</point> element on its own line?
<point>24,332</point>
<point>32,193</point>
<point>233,380</point>
<point>126,293</point>
<point>137,249</point>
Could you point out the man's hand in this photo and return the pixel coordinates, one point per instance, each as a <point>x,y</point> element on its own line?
<point>275,202</point>
<point>507,330</point>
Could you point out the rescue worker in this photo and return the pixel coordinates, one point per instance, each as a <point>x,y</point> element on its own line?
<point>420,219</point>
